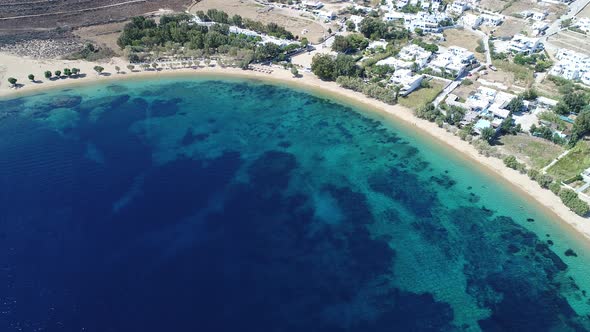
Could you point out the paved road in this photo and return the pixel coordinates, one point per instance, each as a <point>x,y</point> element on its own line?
<point>486,43</point>
<point>574,8</point>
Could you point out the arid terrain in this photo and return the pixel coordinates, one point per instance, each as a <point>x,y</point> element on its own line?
<point>28,19</point>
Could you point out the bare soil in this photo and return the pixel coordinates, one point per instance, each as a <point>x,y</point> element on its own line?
<point>465,39</point>
<point>25,18</point>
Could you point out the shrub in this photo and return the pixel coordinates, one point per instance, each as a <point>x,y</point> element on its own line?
<point>555,188</point>
<point>544,180</point>
<point>573,202</point>
<point>533,174</point>
<point>510,161</point>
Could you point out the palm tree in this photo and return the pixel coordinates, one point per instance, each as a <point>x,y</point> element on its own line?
<point>155,66</point>
<point>118,69</point>
<point>130,67</point>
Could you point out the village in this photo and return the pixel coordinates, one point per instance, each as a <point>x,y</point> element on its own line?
<point>474,68</point>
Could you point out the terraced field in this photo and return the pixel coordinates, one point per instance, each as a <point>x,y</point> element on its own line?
<point>17,16</point>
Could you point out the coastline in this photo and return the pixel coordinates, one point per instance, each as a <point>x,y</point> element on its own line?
<point>20,67</point>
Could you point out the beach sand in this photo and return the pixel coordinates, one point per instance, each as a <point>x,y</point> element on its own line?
<point>20,68</point>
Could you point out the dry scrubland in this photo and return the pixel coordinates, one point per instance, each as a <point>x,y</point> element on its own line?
<point>19,19</point>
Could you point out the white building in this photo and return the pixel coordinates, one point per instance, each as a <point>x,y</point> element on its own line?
<point>407,80</point>
<point>572,65</point>
<point>393,16</point>
<point>425,21</point>
<point>524,45</point>
<point>470,21</point>
<point>409,57</point>
<point>491,20</point>
<point>356,19</point>
<point>309,4</point>
<point>454,60</point>
<point>490,102</point>
<point>326,15</point>
<point>457,7</point>
<point>583,24</point>
<point>376,44</point>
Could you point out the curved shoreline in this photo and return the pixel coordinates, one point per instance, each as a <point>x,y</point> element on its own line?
<point>542,198</point>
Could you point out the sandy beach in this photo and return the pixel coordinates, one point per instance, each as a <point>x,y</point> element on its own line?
<point>20,68</point>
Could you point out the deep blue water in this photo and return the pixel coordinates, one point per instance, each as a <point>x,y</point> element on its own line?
<point>227,205</point>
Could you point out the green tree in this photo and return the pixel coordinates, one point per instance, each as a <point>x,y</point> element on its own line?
<point>581,124</point>
<point>98,69</point>
<point>58,73</point>
<point>294,71</point>
<point>130,67</point>
<point>488,134</point>
<point>68,72</point>
<point>48,74</point>
<point>350,26</point>
<point>12,81</point>
<point>323,66</point>
<point>530,94</point>
<point>544,180</point>
<point>516,104</point>
<point>31,77</point>
<point>75,71</point>
<point>118,69</point>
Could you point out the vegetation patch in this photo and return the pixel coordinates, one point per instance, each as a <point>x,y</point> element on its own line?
<point>423,96</point>
<point>576,161</point>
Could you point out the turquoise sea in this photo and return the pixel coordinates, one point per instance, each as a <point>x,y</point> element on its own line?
<point>231,205</point>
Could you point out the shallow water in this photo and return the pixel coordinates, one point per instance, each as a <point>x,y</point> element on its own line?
<point>225,205</point>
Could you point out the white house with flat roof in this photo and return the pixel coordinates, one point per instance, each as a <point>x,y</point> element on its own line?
<point>457,7</point>
<point>524,45</point>
<point>572,65</point>
<point>393,16</point>
<point>454,59</point>
<point>410,56</point>
<point>491,20</point>
<point>407,80</point>
<point>583,23</point>
<point>356,19</point>
<point>310,4</point>
<point>470,21</point>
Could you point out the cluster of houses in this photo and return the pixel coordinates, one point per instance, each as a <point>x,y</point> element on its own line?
<point>572,65</point>
<point>519,44</point>
<point>583,24</point>
<point>474,21</point>
<point>454,60</point>
<point>412,59</point>
<point>486,107</point>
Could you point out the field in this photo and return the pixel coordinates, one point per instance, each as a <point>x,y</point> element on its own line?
<point>535,152</point>
<point>493,5</point>
<point>422,96</point>
<point>290,19</point>
<point>26,17</point>
<point>463,38</point>
<point>522,75</point>
<point>509,28</point>
<point>554,11</point>
<point>103,35</point>
<point>571,40</point>
<point>576,161</point>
